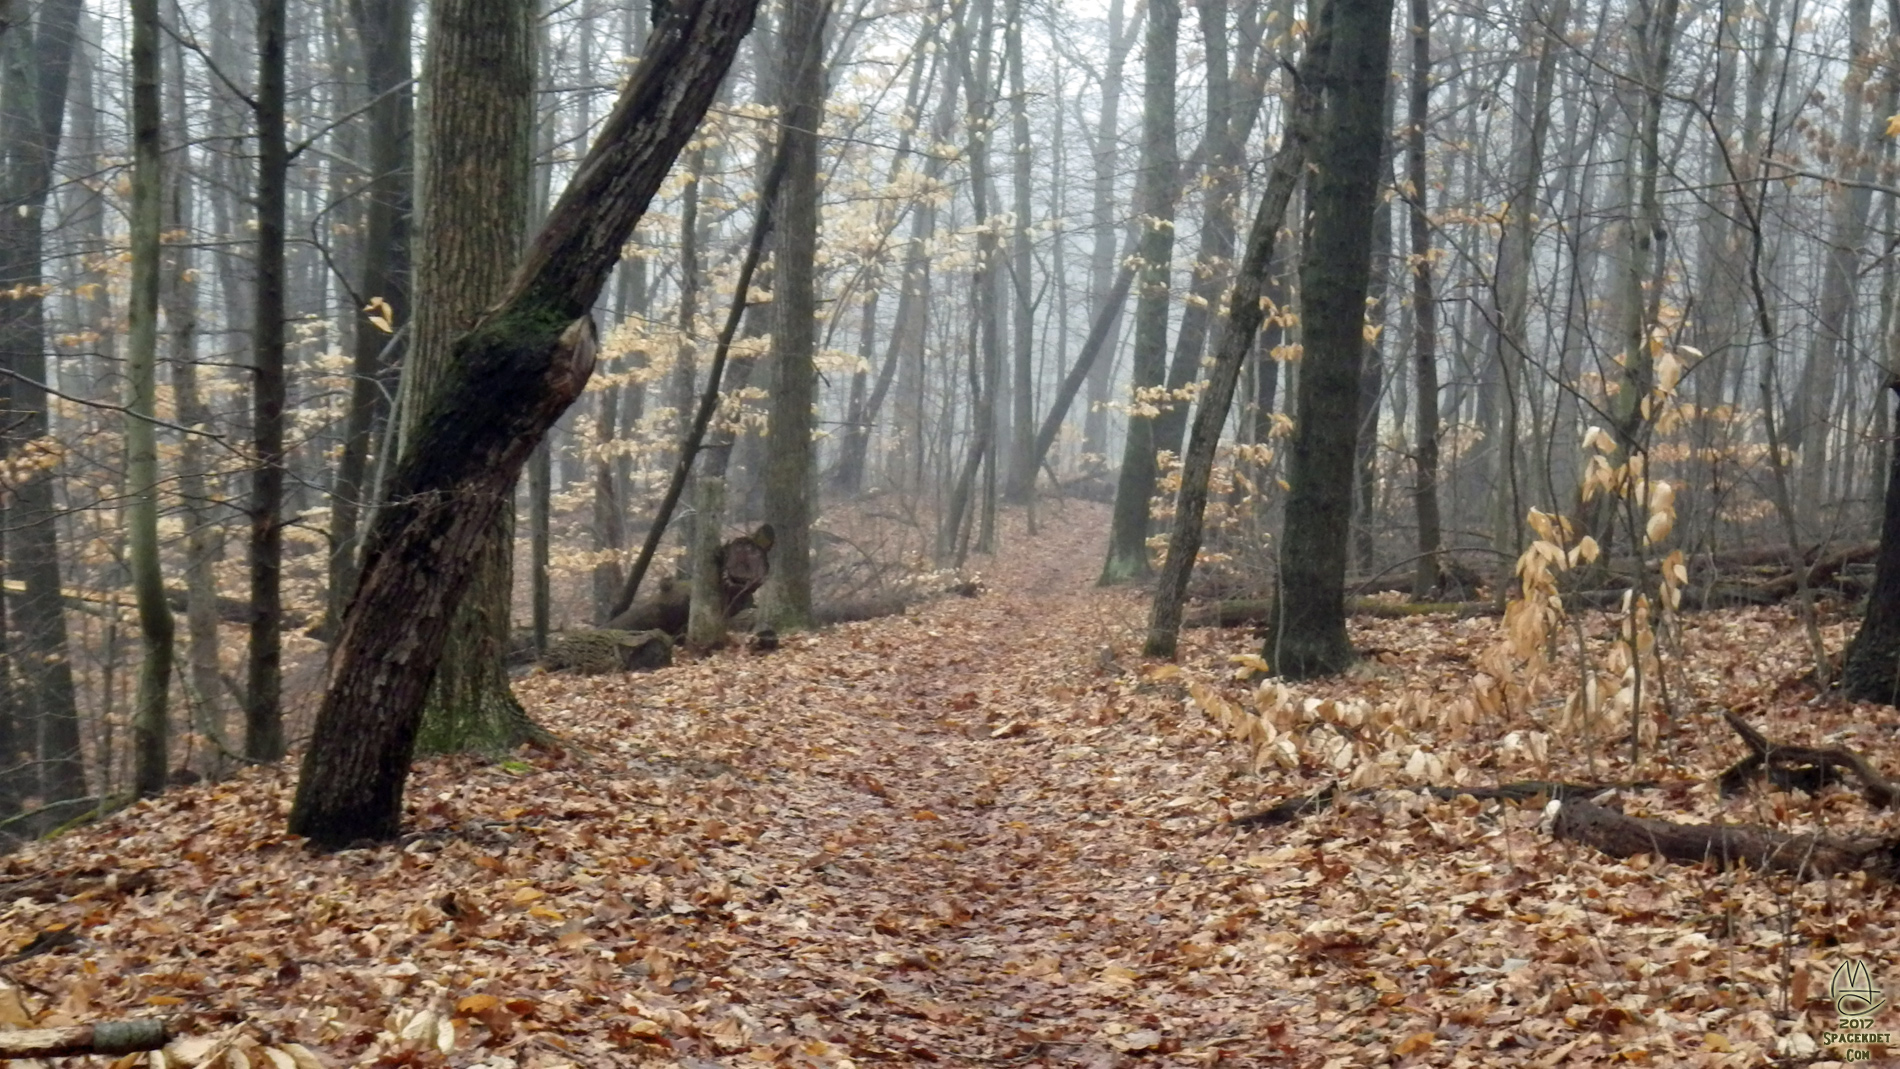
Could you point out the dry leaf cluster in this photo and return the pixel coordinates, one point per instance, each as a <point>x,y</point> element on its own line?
<point>988,834</point>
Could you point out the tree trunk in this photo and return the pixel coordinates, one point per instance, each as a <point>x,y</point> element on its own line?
<point>1022,473</point>
<point>706,612</point>
<point>37,62</point>
<point>263,691</point>
<point>511,377</point>
<point>1831,350</point>
<point>1871,672</point>
<point>1308,632</point>
<point>1424,308</point>
<point>1230,122</point>
<point>789,487</point>
<point>150,727</point>
<point>1245,312</point>
<point>1508,321</point>
<point>473,185</point>
<point>1102,270</point>
<point>382,27</point>
<point>610,533</point>
<point>1128,530</point>
<point>1653,29</point>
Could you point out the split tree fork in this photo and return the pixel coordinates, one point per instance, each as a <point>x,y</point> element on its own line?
<point>514,374</point>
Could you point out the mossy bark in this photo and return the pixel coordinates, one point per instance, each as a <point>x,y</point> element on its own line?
<point>512,376</point>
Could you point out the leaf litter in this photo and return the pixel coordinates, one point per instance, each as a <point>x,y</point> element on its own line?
<point>988,833</point>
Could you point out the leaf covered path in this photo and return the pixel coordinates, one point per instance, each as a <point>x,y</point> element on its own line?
<point>984,834</point>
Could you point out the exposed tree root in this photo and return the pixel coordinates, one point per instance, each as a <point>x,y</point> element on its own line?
<point>1802,768</point>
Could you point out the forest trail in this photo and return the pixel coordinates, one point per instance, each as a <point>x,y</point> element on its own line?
<point>986,833</point>
<point>966,873</point>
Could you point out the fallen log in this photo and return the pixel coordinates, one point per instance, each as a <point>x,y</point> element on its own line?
<point>1582,820</point>
<point>52,886</point>
<point>1247,612</point>
<point>106,1037</point>
<point>1521,791</point>
<point>1802,768</point>
<point>1725,845</point>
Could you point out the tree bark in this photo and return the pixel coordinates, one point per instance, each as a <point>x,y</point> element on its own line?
<point>37,63</point>
<point>1871,672</point>
<point>1424,308</point>
<point>204,534</point>
<point>150,723</point>
<point>1155,196</point>
<point>382,27</point>
<point>473,186</point>
<point>1308,632</point>
<point>1102,263</point>
<point>1245,311</point>
<point>789,487</point>
<point>512,375</point>
<point>263,690</point>
<point>1022,473</point>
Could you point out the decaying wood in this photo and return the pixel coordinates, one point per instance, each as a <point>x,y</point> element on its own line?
<point>106,1037</point>
<point>1724,845</point>
<point>597,651</point>
<point>1246,612</point>
<point>52,886</point>
<point>1583,820</point>
<point>1522,791</point>
<point>1802,768</point>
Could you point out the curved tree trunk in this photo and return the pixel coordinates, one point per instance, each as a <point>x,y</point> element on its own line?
<point>510,379</point>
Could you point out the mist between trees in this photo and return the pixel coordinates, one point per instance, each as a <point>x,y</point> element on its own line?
<point>1603,253</point>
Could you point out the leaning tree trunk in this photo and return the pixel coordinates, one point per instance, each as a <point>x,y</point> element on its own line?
<point>1308,629</point>
<point>473,186</point>
<point>512,376</point>
<point>1245,311</point>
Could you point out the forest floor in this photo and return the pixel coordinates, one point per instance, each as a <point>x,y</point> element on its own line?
<point>988,833</point>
